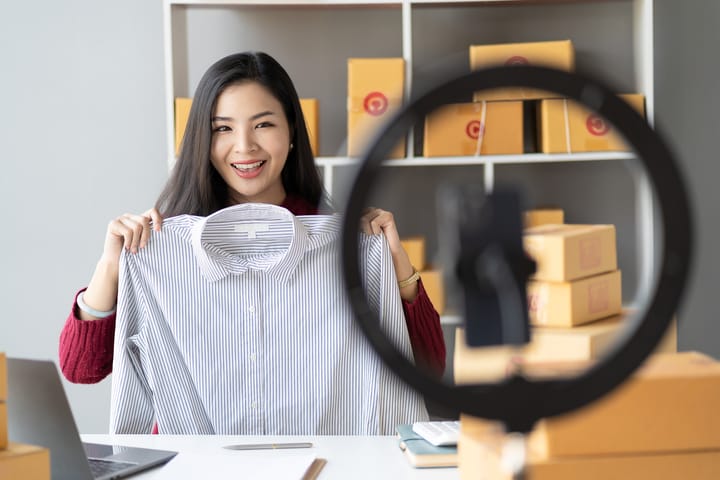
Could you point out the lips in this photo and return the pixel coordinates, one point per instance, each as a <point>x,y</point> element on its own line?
<point>248,169</point>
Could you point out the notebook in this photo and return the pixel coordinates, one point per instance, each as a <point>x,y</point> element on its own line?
<point>423,454</point>
<point>39,414</point>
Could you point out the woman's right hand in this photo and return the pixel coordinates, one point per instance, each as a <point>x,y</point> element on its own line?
<point>130,232</point>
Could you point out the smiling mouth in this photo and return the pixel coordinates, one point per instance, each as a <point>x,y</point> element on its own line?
<point>248,167</point>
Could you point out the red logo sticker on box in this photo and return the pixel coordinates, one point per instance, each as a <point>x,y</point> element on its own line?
<point>537,305</point>
<point>375,103</point>
<point>474,128</point>
<point>596,125</point>
<point>517,60</point>
<point>590,255</point>
<point>598,297</point>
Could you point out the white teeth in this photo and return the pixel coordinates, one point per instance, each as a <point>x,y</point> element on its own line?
<point>247,166</point>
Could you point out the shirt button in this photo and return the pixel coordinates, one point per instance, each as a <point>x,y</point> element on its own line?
<point>251,309</point>
<point>254,405</point>
<point>253,357</point>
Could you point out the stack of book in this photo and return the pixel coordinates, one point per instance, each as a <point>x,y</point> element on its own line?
<point>423,454</point>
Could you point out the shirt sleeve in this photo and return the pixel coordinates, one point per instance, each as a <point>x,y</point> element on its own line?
<point>425,331</point>
<point>131,407</point>
<point>85,351</point>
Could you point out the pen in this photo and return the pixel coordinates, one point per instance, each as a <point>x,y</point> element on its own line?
<point>268,446</point>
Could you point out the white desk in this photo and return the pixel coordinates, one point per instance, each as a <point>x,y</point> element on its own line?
<point>348,457</point>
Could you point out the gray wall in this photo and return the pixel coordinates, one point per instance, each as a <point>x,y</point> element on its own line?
<point>687,107</point>
<point>82,141</point>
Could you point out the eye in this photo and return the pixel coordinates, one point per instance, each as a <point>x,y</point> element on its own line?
<point>264,125</point>
<point>221,128</point>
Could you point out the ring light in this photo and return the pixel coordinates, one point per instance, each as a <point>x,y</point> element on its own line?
<point>507,400</point>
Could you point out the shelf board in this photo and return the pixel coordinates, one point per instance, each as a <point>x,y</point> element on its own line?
<point>299,3</point>
<point>480,160</point>
<point>446,3</point>
<point>360,3</point>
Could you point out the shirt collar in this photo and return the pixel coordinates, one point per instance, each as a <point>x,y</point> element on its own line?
<point>249,227</point>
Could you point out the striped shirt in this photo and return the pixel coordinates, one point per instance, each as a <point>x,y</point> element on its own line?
<point>238,323</point>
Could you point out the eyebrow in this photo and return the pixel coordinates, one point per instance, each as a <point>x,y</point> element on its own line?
<point>254,117</point>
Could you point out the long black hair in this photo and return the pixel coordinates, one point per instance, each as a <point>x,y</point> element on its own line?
<point>195,187</point>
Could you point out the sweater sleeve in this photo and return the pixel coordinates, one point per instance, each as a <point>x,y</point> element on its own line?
<point>426,335</point>
<point>86,347</point>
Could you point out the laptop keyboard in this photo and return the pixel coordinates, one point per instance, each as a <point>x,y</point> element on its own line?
<point>100,467</point>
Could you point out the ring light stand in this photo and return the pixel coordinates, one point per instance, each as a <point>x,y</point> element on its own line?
<point>506,400</point>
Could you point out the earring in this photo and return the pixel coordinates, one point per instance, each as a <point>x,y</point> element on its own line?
<point>291,146</point>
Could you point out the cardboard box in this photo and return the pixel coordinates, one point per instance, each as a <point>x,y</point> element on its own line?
<point>670,404</point>
<point>568,127</point>
<point>3,426</point>
<point>547,346</point>
<point>479,459</point>
<point>26,462</point>
<point>549,350</point>
<point>415,248</point>
<point>434,286</point>
<point>310,111</point>
<point>567,304</point>
<point>556,54</point>
<point>473,365</point>
<point>3,377</point>
<point>182,112</point>
<point>543,216</point>
<point>582,342</point>
<point>375,93</point>
<point>478,128</point>
<point>570,251</point>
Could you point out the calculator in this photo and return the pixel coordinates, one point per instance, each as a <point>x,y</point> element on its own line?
<point>439,433</point>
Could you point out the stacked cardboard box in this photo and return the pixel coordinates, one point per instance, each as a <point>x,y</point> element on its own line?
<point>577,280</point>
<point>566,126</point>
<point>18,460</point>
<point>558,54</point>
<point>375,93</point>
<point>494,122</point>
<point>660,424</point>
<point>543,216</point>
<point>432,278</point>
<point>478,128</point>
<point>548,346</point>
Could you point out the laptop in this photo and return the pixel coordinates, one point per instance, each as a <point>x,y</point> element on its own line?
<point>39,414</point>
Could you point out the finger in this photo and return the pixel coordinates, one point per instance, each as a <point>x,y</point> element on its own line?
<point>133,231</point>
<point>376,226</point>
<point>382,221</point>
<point>120,230</point>
<point>365,225</point>
<point>368,215</point>
<point>156,218</point>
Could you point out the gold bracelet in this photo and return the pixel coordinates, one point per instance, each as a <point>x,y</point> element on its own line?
<point>410,280</point>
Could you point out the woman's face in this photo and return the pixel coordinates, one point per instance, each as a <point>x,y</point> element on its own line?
<point>250,143</point>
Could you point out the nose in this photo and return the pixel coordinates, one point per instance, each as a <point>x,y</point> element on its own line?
<point>245,141</point>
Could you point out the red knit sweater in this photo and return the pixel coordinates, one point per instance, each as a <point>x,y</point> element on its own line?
<point>86,347</point>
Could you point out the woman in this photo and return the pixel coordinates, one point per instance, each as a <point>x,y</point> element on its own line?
<point>245,141</point>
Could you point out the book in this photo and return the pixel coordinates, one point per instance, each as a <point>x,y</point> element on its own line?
<point>423,454</point>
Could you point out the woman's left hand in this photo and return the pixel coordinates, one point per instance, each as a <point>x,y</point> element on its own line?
<point>375,221</point>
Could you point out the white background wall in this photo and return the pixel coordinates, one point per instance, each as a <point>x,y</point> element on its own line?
<point>82,141</point>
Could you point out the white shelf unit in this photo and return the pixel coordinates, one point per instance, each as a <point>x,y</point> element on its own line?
<point>402,28</point>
